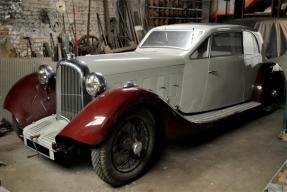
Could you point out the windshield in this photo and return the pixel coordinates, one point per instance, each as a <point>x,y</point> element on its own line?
<point>182,39</point>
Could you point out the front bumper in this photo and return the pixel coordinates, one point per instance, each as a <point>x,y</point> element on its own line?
<point>48,128</point>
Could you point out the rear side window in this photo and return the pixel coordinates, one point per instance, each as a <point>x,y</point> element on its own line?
<point>224,44</point>
<point>250,43</point>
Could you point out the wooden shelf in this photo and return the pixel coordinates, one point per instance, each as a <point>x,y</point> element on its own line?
<point>174,18</point>
<point>156,7</point>
<point>164,12</point>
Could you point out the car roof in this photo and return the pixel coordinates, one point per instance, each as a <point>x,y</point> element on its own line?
<point>206,26</point>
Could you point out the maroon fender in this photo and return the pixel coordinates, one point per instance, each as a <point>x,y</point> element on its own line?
<point>87,127</point>
<point>27,101</point>
<point>264,74</point>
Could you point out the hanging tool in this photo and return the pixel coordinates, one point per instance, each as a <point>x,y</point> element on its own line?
<point>84,45</point>
<point>54,20</point>
<point>108,25</point>
<point>60,47</point>
<point>33,54</point>
<point>32,139</point>
<point>141,17</point>
<point>47,50</point>
<point>127,22</point>
<point>122,22</point>
<point>55,48</point>
<point>114,32</point>
<point>70,29</point>
<point>131,23</point>
<point>61,8</point>
<point>106,48</point>
<point>53,44</point>
<point>88,28</point>
<point>130,8</point>
<point>75,29</point>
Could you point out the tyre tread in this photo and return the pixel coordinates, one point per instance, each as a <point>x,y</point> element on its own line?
<point>98,156</point>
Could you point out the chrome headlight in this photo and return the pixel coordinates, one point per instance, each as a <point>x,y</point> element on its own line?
<point>95,84</point>
<point>45,74</point>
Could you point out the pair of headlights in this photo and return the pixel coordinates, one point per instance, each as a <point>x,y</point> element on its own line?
<point>95,82</point>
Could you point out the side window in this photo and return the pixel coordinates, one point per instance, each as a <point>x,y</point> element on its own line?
<point>250,43</point>
<point>226,44</point>
<point>201,52</point>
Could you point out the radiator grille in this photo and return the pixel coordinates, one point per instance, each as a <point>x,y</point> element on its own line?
<point>71,97</point>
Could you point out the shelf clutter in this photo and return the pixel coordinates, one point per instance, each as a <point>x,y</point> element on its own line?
<point>164,12</point>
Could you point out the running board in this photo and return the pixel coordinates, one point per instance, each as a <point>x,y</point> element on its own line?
<point>211,116</point>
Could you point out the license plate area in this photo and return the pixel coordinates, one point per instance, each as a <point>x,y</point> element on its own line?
<point>41,149</point>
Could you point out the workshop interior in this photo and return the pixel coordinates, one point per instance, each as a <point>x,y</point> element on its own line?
<point>143,95</point>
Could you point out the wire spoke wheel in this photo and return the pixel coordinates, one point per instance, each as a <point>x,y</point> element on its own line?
<point>123,156</point>
<point>93,48</point>
<point>127,151</point>
<point>269,97</point>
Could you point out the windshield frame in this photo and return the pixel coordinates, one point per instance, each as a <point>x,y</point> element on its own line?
<point>171,47</point>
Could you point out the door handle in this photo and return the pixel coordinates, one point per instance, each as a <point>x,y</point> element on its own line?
<point>212,72</point>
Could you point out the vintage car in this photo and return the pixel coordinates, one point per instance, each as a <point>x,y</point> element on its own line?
<point>179,81</point>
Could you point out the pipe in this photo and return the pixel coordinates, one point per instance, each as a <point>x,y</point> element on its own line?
<point>75,30</point>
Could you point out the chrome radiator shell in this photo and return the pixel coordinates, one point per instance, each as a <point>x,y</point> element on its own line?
<point>71,95</point>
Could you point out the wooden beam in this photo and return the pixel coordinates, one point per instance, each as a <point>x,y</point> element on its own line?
<point>273,7</point>
<point>279,8</point>
<point>243,9</point>
<point>124,49</point>
<point>250,4</point>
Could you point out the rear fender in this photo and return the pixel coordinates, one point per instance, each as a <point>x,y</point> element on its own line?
<point>93,124</point>
<point>264,74</point>
<point>27,100</point>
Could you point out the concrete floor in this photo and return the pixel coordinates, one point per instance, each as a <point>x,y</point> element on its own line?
<point>239,154</point>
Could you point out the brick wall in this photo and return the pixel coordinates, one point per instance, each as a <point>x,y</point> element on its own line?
<point>21,18</point>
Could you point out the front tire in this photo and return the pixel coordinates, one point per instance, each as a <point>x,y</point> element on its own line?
<point>127,151</point>
<point>17,128</point>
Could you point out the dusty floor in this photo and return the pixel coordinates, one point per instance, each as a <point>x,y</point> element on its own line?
<point>240,154</point>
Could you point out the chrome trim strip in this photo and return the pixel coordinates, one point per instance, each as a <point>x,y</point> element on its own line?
<point>130,84</point>
<point>58,90</point>
<point>64,118</point>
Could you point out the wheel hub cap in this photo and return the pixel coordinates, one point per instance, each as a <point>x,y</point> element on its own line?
<point>273,93</point>
<point>137,147</point>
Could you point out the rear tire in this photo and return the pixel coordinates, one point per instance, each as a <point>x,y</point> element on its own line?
<point>270,97</point>
<point>17,128</point>
<point>116,161</point>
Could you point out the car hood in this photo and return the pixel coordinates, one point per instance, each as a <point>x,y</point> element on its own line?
<point>109,64</point>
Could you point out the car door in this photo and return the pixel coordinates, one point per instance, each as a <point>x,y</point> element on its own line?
<point>194,79</point>
<point>225,79</point>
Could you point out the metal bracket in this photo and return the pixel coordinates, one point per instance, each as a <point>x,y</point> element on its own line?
<point>167,99</point>
<point>47,92</point>
<point>177,107</point>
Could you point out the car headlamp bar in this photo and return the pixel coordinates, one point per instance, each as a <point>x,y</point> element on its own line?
<point>95,84</point>
<point>45,74</point>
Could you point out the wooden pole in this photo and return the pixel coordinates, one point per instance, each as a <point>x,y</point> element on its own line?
<point>88,28</point>
<point>76,41</point>
<point>108,24</point>
<point>278,8</point>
